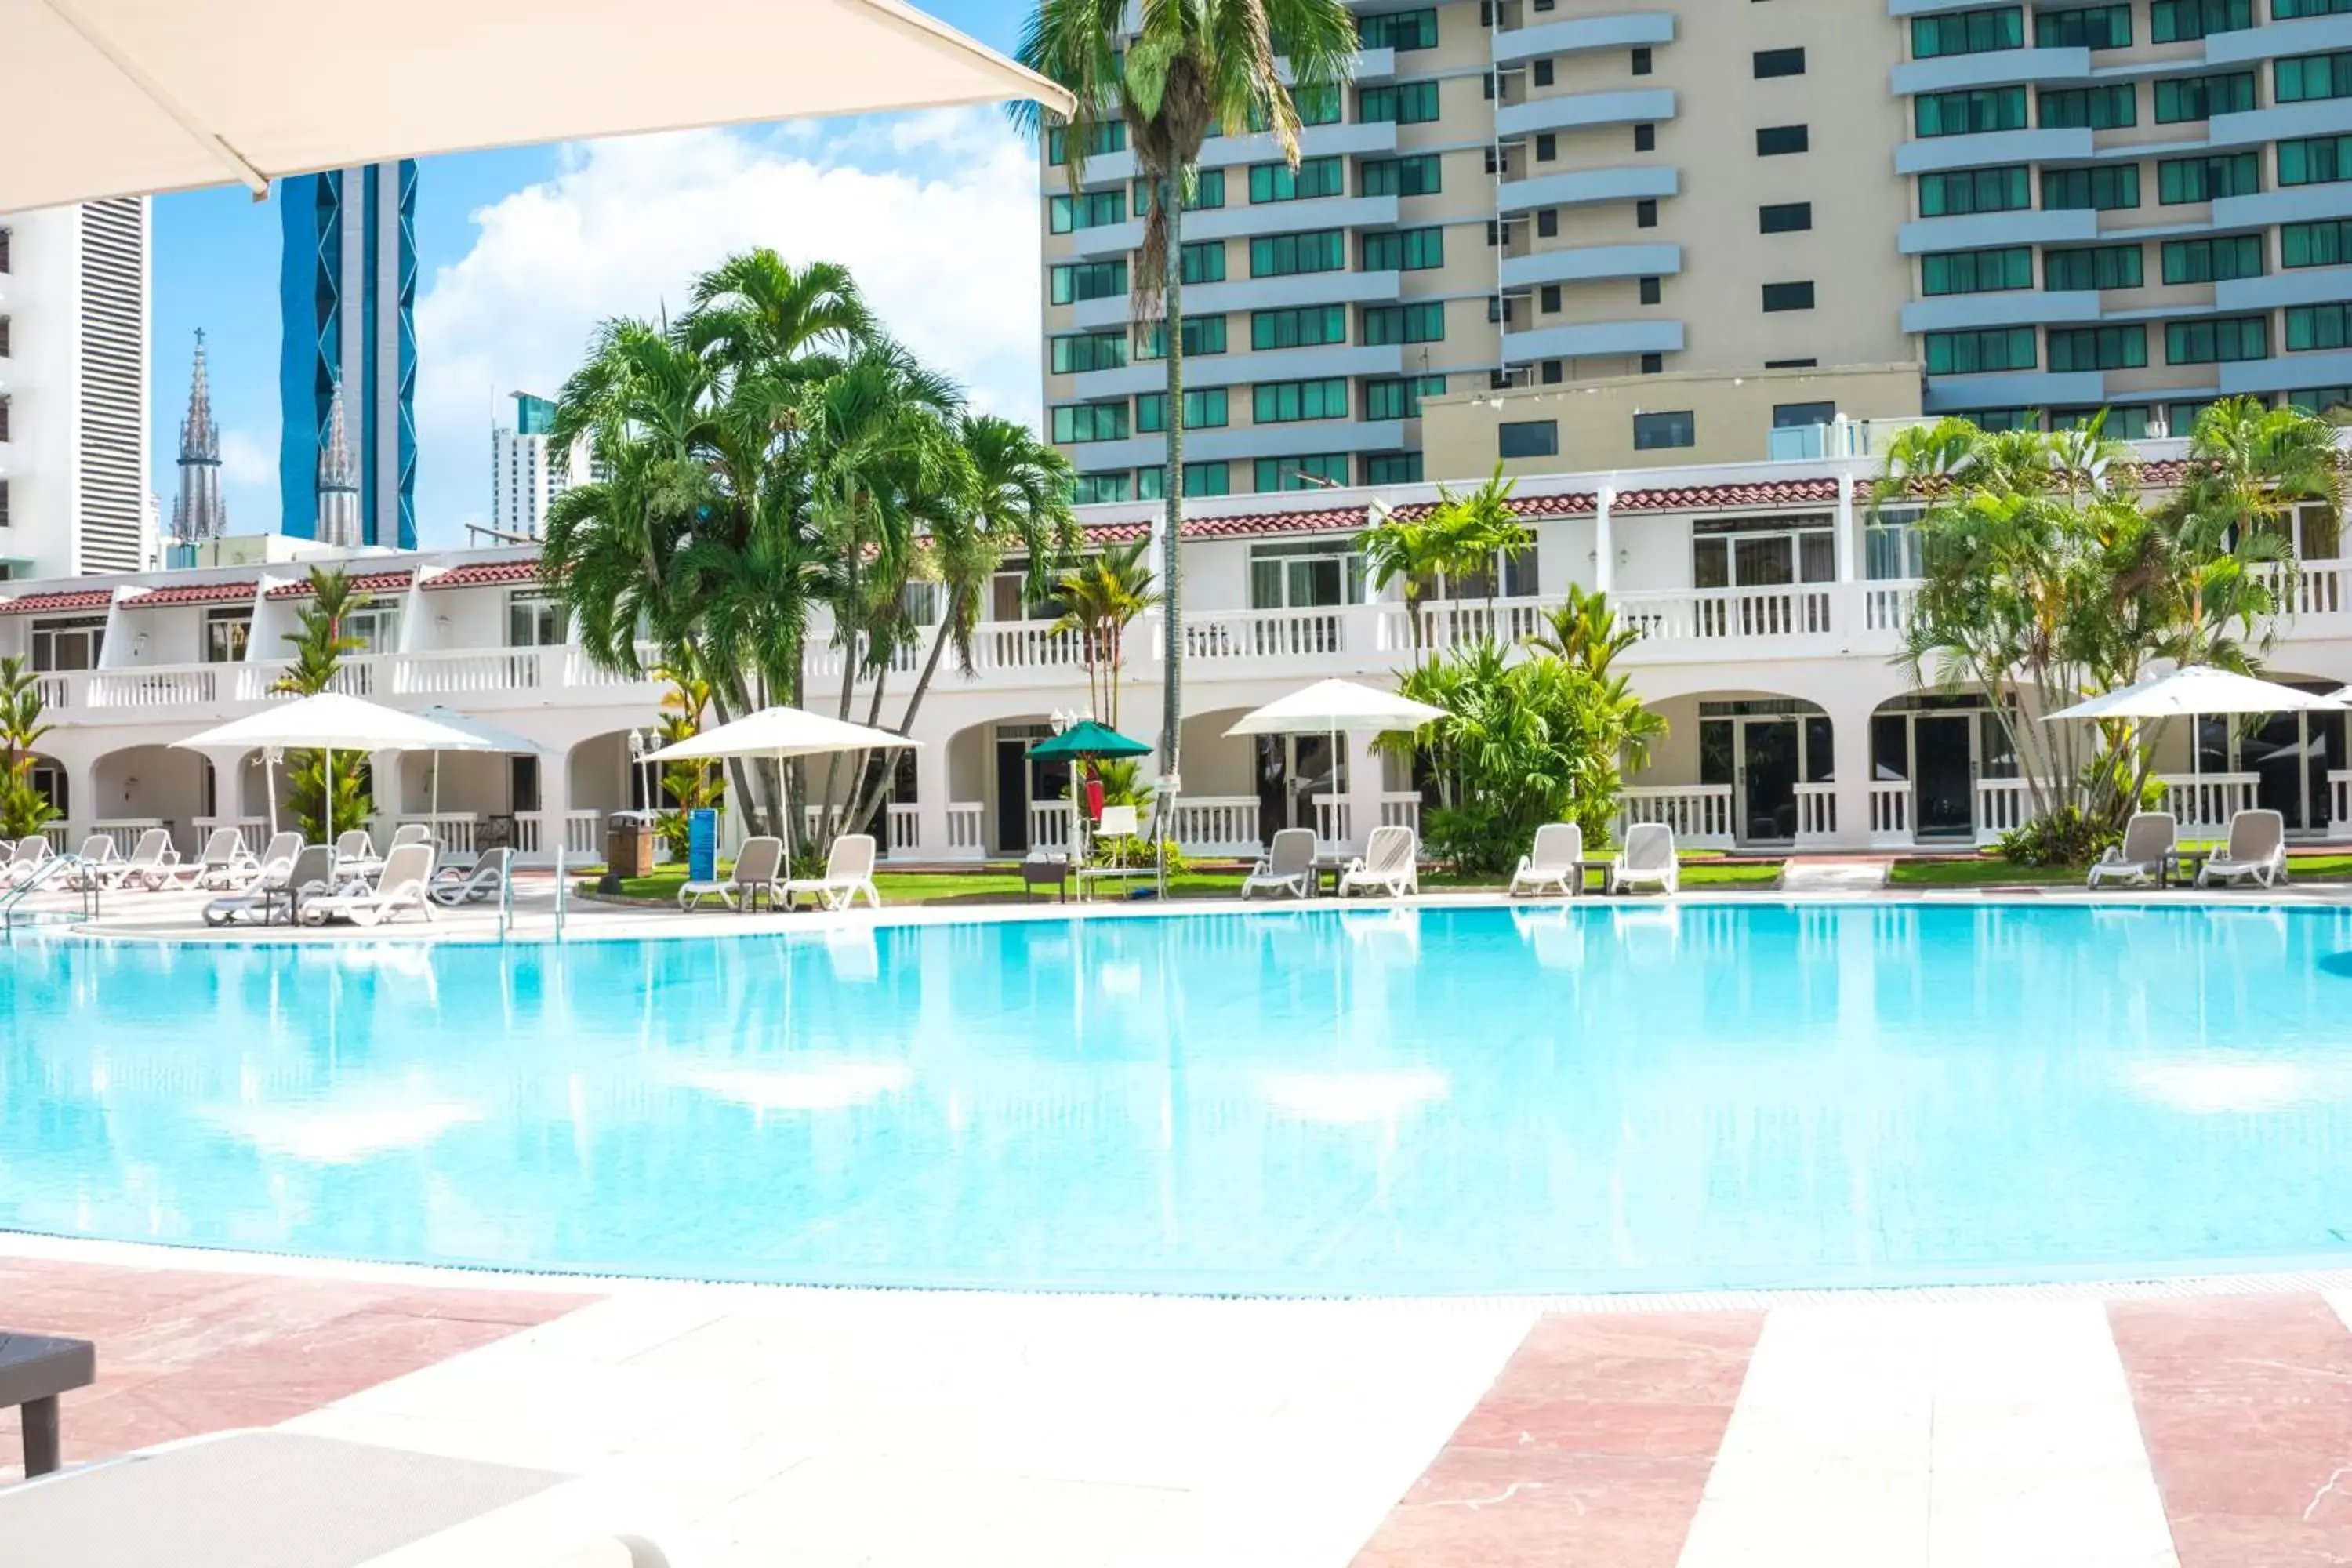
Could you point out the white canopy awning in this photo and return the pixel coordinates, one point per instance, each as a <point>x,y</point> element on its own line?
<point>331,722</point>
<point>2197,688</point>
<point>491,736</point>
<point>1331,707</point>
<point>778,733</point>
<point>108,98</point>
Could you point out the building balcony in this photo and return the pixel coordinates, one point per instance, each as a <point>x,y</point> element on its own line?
<point>1249,442</point>
<point>1589,187</point>
<point>1256,294</point>
<point>2299,35</point>
<point>1928,153</point>
<point>1593,338</point>
<point>2296,203</point>
<point>1584,35</point>
<point>1579,110</point>
<point>489,679</point>
<point>2296,286</point>
<point>2008,307</point>
<point>2327,116</point>
<point>1993,67</point>
<point>1250,218</point>
<point>2016,389</point>
<point>1590,263</point>
<point>1978,231</point>
<point>1244,369</point>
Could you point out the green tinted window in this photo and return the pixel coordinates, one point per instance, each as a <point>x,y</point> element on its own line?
<point>2203,97</point>
<point>1403,249</point>
<point>1073,281</point>
<point>1399,30</point>
<point>1075,422</point>
<point>1313,177</point>
<point>2097,348</point>
<point>1421,323</point>
<point>1970,354</point>
<point>2084,27</point>
<point>1304,327</point>
<point>2176,21</point>
<point>1282,255</point>
<point>1092,210</point>
<point>2208,179</point>
<point>1084,352</point>
<point>1286,402</point>
<point>2091,267</point>
<point>2213,260</point>
<point>1407,103</point>
<point>2099,107</point>
<point>2224,340</point>
<point>2308,77</point>
<point>2103,189</point>
<point>1977,271</point>
<point>1204,262</point>
<point>1969,112</point>
<point>2314,161</point>
<point>1960,190</point>
<point>1400,397</point>
<point>1204,409</point>
<point>1202,336</point>
<point>2316,327</point>
<point>2325,244</point>
<point>1423,174</point>
<point>1315,471</point>
<point>1968,32</point>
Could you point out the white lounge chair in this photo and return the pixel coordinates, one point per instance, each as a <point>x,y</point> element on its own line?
<point>282,881</point>
<point>400,884</point>
<point>757,866</point>
<point>355,854</point>
<point>223,863</point>
<point>2149,838</point>
<point>1557,860</point>
<point>486,879</point>
<point>1289,867</point>
<point>1386,865</point>
<point>411,833</point>
<point>24,861</point>
<point>97,853</point>
<point>150,864</point>
<point>1647,860</point>
<point>277,859</point>
<point>848,871</point>
<point>2257,849</point>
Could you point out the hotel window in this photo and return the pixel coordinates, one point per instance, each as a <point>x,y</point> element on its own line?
<point>1204,262</point>
<point>1284,255</point>
<point>1310,576</point>
<point>2128,423</point>
<point>1968,33</point>
<point>2179,180</point>
<point>1314,472</point>
<point>1653,289</point>
<point>2181,21</point>
<point>2098,108</point>
<point>1314,177</point>
<point>1643,62</point>
<point>1202,336</point>
<point>1543,72</point>
<point>1645,139</point>
<point>1394,468</point>
<point>374,625</point>
<point>1103,138</point>
<point>1958,193</point>
<point>1079,422</point>
<point>1092,210</point>
<point>2097,348</point>
<point>1547,147</point>
<point>1977,271</point>
<point>1306,326</point>
<point>2224,342</point>
<point>1208,192</point>
<point>1976,352</point>
<point>1423,174</point>
<point>1292,402</point>
<point>1403,249</point>
<point>1657,432</point>
<point>1547,221</point>
<point>1762,552</point>
<point>535,620</point>
<point>1969,112</point>
<point>1088,489</point>
<point>1783,297</point>
<point>2083,28</point>
<point>1777,141</point>
<point>1769,63</point>
<point>2328,243</point>
<point>2309,77</point>
<point>1087,281</point>
<point>2314,161</point>
<point>2091,267</point>
<point>1079,352</point>
<point>1398,397</point>
<point>2103,190</point>
<point>2213,260</point>
<point>1402,31</point>
<point>1893,549</point>
<point>2320,399</point>
<point>1527,439</point>
<point>2203,97</point>
<point>1645,216</point>
<point>2316,327</point>
<point>1406,103</point>
<point>2281,11</point>
<point>1419,323</point>
<point>1200,480</point>
<point>1204,409</point>
<point>228,630</point>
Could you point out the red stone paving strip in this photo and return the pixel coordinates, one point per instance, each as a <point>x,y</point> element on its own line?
<point>183,1352</point>
<point>2245,1403</point>
<point>1593,1447</point>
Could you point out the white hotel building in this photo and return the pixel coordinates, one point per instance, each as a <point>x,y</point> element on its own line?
<point>1767,599</point>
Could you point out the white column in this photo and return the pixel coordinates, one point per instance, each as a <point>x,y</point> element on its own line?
<point>1604,542</point>
<point>1366,781</point>
<point>931,800</point>
<point>1850,754</point>
<point>1846,524</point>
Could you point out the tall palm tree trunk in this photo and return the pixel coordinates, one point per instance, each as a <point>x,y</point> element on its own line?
<point>1170,196</point>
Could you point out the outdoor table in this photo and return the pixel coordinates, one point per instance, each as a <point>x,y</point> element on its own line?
<point>1332,866</point>
<point>2181,866</point>
<point>34,1370</point>
<point>1049,871</point>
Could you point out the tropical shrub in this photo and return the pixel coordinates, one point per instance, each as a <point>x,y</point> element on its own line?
<point>318,649</point>
<point>24,810</point>
<point>2066,836</point>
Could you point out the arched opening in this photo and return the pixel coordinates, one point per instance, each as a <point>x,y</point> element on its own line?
<point>48,776</point>
<point>142,788</point>
<point>1740,769</point>
<point>2293,763</point>
<point>1000,800</point>
<point>1943,771</point>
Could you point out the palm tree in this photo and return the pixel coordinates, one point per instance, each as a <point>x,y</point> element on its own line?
<point>1462,536</point>
<point>1191,66</point>
<point>1586,632</point>
<point>1096,600</point>
<point>318,649</point>
<point>2228,532</point>
<point>24,810</point>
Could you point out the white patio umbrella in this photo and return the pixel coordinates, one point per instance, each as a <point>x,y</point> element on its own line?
<point>110,98</point>
<point>332,723</point>
<point>779,732</point>
<point>2197,688</point>
<point>1335,707</point>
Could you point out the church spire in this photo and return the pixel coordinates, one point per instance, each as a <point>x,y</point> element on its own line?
<point>339,481</point>
<point>198,512</point>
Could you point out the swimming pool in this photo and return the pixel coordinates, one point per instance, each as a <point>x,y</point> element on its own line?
<point>1470,1100</point>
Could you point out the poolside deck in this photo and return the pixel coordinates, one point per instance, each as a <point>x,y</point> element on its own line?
<point>2206,1426</point>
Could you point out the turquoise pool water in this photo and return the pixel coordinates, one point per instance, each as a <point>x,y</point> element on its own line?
<point>1609,1097</point>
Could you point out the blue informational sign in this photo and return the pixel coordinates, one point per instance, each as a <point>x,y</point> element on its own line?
<point>702,844</point>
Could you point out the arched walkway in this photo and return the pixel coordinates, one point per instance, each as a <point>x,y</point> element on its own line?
<point>1741,768</point>
<point>139,787</point>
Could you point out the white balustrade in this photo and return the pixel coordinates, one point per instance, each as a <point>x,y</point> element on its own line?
<point>59,692</point>
<point>1700,814</point>
<point>2003,805</point>
<point>967,831</point>
<point>528,836</point>
<point>1025,645</point>
<point>1890,812</point>
<point>1049,824</point>
<point>126,830</point>
<point>1886,605</point>
<point>1218,825</point>
<point>253,831</point>
<point>1711,614</point>
<point>584,836</point>
<point>2318,589</point>
<point>163,687</point>
<point>2204,802</point>
<point>1401,808</point>
<point>1335,822</point>
<point>1221,634</point>
<point>1451,623</point>
<point>1816,814</point>
<point>457,673</point>
<point>905,839</point>
<point>581,671</point>
<point>453,832</point>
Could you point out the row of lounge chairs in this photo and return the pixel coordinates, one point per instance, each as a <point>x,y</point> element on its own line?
<point>2254,851</point>
<point>759,870</point>
<point>1389,865</point>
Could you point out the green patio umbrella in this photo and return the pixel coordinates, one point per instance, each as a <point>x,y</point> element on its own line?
<point>1088,742</point>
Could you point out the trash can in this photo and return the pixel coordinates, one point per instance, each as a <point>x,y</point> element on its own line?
<point>629,846</point>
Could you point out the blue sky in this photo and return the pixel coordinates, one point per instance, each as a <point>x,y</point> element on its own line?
<point>521,252</point>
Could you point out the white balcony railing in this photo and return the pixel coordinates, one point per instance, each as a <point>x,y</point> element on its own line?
<point>583,835</point>
<point>2003,805</point>
<point>1886,604</point>
<point>2204,802</point>
<point>1700,814</point>
<point>1816,814</point>
<point>1334,822</point>
<point>905,830</point>
<point>172,688</point>
<point>967,832</point>
<point>1049,824</point>
<point>1218,825</point>
<point>1260,634</point>
<point>1715,615</point>
<point>459,673</point>
<point>253,831</point>
<point>1450,623</point>
<point>453,832</point>
<point>1890,814</point>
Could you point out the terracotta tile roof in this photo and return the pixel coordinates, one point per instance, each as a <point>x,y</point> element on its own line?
<point>69,599</point>
<point>1709,498</point>
<point>365,581</point>
<point>485,573</point>
<point>192,594</point>
<point>1567,503</point>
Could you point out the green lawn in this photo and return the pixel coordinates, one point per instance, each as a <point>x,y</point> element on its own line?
<point>1992,870</point>
<point>1000,884</point>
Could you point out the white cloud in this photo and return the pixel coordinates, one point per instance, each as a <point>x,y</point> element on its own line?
<point>246,461</point>
<point>935,213</point>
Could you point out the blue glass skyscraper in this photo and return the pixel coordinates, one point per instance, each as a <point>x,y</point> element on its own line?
<point>347,300</point>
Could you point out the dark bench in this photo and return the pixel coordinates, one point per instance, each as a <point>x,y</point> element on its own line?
<point>34,1370</point>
